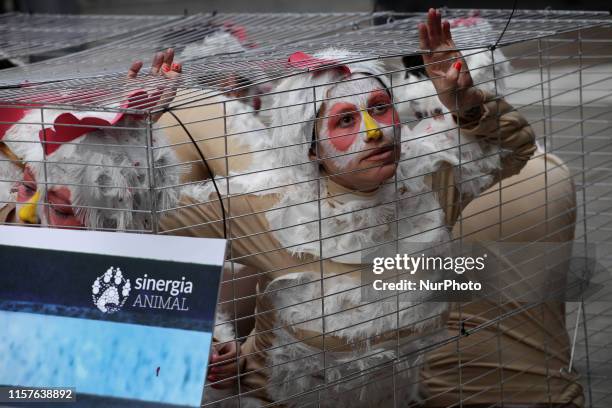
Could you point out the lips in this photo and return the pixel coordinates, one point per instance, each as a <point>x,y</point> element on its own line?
<point>382,154</point>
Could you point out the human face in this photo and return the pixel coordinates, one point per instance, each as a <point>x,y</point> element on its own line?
<point>358,134</point>
<point>30,209</point>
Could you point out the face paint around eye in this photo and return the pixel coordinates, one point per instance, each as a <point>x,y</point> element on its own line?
<point>61,213</point>
<point>343,125</point>
<point>25,190</point>
<point>381,109</point>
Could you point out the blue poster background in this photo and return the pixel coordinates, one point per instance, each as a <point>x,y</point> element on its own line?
<point>53,335</point>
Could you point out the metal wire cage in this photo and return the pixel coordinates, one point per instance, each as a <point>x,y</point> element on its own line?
<point>191,36</point>
<point>242,146</point>
<point>33,37</point>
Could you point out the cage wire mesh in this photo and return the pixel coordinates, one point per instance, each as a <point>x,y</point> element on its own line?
<point>578,91</point>
<point>194,37</point>
<point>33,37</point>
<point>101,151</point>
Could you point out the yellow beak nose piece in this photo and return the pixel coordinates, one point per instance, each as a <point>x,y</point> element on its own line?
<point>372,130</point>
<point>28,213</point>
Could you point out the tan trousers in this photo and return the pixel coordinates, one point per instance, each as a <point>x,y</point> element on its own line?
<point>529,348</point>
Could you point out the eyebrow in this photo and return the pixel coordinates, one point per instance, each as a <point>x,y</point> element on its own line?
<point>349,107</point>
<point>378,93</point>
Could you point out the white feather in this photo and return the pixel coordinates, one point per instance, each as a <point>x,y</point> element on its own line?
<point>220,42</point>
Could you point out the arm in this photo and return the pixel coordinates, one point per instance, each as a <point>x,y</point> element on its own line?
<point>221,127</point>
<point>205,122</point>
<point>502,142</point>
<point>499,139</point>
<point>502,128</point>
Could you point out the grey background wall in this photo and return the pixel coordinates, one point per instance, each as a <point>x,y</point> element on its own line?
<point>194,6</point>
<point>172,7</point>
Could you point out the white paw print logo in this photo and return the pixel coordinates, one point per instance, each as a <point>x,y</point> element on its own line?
<point>110,291</point>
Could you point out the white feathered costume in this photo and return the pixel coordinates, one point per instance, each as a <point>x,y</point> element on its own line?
<point>289,220</point>
<point>102,159</point>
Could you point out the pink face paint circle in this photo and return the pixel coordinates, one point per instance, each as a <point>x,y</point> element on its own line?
<point>343,123</point>
<point>381,108</point>
<point>61,213</point>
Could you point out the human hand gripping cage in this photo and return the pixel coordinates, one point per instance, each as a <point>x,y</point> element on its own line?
<point>318,154</point>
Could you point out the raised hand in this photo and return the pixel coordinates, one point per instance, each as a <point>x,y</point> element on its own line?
<point>162,65</point>
<point>447,68</point>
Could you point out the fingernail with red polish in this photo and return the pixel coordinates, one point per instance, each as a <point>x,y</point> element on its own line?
<point>458,65</point>
<point>176,67</point>
<point>165,67</point>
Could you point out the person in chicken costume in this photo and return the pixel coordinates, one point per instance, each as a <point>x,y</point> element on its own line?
<point>330,174</point>
<point>96,177</point>
<point>87,169</point>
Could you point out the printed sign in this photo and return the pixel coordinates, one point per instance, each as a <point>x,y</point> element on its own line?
<point>123,319</point>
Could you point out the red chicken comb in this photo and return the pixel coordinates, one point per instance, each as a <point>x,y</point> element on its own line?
<point>9,116</point>
<point>67,127</point>
<point>306,61</point>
